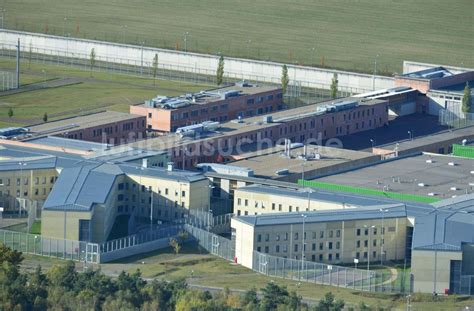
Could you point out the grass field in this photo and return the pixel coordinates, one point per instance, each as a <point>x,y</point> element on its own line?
<point>101,91</point>
<point>201,268</point>
<point>343,34</point>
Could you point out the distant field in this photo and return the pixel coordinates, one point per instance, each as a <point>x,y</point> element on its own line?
<point>345,34</point>
<point>101,91</point>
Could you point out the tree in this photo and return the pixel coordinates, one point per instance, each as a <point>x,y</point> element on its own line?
<point>334,83</point>
<point>10,256</point>
<point>92,59</point>
<point>175,245</point>
<point>328,303</point>
<point>220,71</point>
<point>466,105</point>
<point>284,79</point>
<point>273,295</point>
<point>155,67</point>
<point>250,297</point>
<point>45,117</point>
<point>10,112</point>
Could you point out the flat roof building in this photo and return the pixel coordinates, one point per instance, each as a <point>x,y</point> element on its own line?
<point>167,114</point>
<point>437,176</point>
<point>108,127</point>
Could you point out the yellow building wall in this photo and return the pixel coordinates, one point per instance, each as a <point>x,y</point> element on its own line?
<point>35,184</point>
<point>260,203</point>
<point>341,234</point>
<point>52,223</point>
<point>423,268</point>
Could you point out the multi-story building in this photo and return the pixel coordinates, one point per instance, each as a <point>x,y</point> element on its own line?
<point>259,199</point>
<point>164,114</point>
<point>26,178</point>
<point>335,236</point>
<point>108,127</point>
<point>86,199</point>
<point>309,125</point>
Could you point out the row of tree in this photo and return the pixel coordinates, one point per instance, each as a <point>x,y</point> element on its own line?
<point>63,288</point>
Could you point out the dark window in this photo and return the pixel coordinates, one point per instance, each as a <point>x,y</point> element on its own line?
<point>84,230</point>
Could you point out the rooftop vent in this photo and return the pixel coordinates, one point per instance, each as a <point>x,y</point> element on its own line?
<point>283,171</point>
<point>432,194</point>
<point>452,164</point>
<point>421,184</point>
<point>429,161</point>
<point>453,188</point>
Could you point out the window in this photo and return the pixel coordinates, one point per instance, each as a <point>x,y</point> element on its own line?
<point>366,231</point>
<point>366,243</point>
<point>121,186</point>
<point>277,237</point>
<point>375,231</point>
<point>358,244</point>
<point>120,197</point>
<point>84,230</point>
<point>365,255</point>
<point>391,229</point>
<point>259,249</point>
<point>330,257</point>
<point>330,234</point>
<point>259,238</point>
<point>321,246</point>
<point>285,248</point>
<point>374,243</point>
<point>330,245</point>
<point>36,180</point>
<point>246,202</point>
<point>320,257</point>
<point>314,235</point>
<point>338,233</point>
<point>267,237</point>
<point>279,207</point>
<point>321,234</point>
<point>358,232</point>
<point>337,256</point>
<point>357,255</point>
<point>239,201</point>
<point>296,236</point>
<point>313,246</point>
<point>286,236</point>
<point>183,194</point>
<point>296,247</point>
<point>338,245</point>
<point>277,248</point>
<point>273,206</point>
<point>266,249</point>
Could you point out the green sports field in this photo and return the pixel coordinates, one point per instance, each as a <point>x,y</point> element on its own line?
<point>343,34</point>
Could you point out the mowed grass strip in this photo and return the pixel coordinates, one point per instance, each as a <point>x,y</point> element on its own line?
<point>344,34</point>
<point>97,92</point>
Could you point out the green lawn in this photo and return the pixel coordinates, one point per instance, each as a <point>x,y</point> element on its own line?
<point>101,91</point>
<point>343,33</point>
<point>36,227</point>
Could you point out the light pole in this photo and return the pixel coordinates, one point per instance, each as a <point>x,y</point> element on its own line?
<point>151,208</point>
<point>2,11</point>
<point>302,172</point>
<point>372,142</point>
<point>124,27</point>
<point>248,47</point>
<point>64,25</point>
<point>186,34</point>
<point>21,164</point>
<point>368,251</point>
<point>375,71</point>
<point>303,239</point>
<point>141,67</point>
<point>382,244</point>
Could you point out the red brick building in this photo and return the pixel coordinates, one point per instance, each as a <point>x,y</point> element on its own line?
<point>109,127</point>
<point>164,114</point>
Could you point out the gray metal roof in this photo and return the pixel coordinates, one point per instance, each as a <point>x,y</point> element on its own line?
<point>81,187</point>
<point>367,213</point>
<point>163,173</point>
<point>328,196</point>
<point>34,163</point>
<point>69,143</point>
<point>447,227</point>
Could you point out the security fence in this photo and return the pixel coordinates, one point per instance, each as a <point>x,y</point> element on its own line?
<point>7,81</point>
<point>213,243</point>
<point>326,274</point>
<point>455,119</point>
<point>140,238</point>
<point>302,90</point>
<point>51,247</point>
<point>466,285</point>
<point>305,271</point>
<point>14,207</point>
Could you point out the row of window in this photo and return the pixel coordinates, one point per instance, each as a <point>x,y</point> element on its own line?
<point>110,129</point>
<point>36,192</point>
<point>285,236</point>
<point>143,188</point>
<point>52,179</point>
<point>146,211</point>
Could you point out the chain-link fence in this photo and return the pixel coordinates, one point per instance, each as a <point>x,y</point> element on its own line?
<point>51,247</point>
<point>144,67</point>
<point>466,285</point>
<point>7,81</point>
<point>140,238</point>
<point>455,119</point>
<point>326,274</point>
<point>304,271</point>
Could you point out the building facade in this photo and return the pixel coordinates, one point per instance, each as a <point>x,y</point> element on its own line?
<point>242,100</point>
<point>336,237</point>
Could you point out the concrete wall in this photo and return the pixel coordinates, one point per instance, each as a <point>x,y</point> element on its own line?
<point>134,250</point>
<point>244,244</point>
<point>195,63</point>
<point>423,268</point>
<point>409,66</point>
<point>52,223</point>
